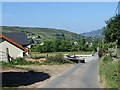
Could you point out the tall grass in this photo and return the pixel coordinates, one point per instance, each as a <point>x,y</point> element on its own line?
<point>57,59</point>
<point>17,61</point>
<point>108,70</point>
<point>56,53</point>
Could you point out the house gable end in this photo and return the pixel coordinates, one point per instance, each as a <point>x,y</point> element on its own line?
<point>13,42</point>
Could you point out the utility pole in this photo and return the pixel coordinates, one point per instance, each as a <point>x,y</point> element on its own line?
<point>118,56</point>
<point>102,42</point>
<point>8,56</point>
<point>119,8</point>
<point>118,40</point>
<point>118,48</point>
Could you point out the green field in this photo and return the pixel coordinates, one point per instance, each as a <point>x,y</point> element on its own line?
<point>56,53</point>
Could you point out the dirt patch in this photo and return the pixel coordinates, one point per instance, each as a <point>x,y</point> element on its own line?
<point>49,70</point>
<point>38,60</point>
<point>12,69</point>
<point>102,82</point>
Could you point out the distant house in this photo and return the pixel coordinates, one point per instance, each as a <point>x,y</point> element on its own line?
<point>89,43</point>
<point>75,43</point>
<point>13,45</point>
<point>42,43</point>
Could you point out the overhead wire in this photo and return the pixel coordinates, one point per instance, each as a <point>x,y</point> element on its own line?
<point>117,9</point>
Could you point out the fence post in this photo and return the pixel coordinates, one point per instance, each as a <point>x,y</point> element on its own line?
<point>47,56</point>
<point>7,52</point>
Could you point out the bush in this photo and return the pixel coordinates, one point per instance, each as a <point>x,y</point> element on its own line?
<point>107,58</point>
<point>18,61</point>
<point>6,64</point>
<point>37,57</point>
<point>58,59</point>
<point>101,52</point>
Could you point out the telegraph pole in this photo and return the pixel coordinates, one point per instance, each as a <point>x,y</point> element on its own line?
<point>119,8</point>
<point>118,40</point>
<point>118,49</point>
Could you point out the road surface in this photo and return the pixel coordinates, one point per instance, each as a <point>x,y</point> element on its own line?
<point>82,75</point>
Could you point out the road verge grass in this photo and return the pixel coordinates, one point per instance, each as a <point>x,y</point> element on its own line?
<point>108,70</point>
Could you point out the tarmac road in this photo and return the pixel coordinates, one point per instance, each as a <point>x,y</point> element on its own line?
<point>82,75</point>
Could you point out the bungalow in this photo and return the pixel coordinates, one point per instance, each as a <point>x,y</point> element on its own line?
<point>13,45</point>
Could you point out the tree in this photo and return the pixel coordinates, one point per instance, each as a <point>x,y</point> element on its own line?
<point>47,46</point>
<point>39,36</point>
<point>60,36</point>
<point>112,29</point>
<point>31,40</point>
<point>82,41</point>
<point>65,45</point>
<point>56,45</point>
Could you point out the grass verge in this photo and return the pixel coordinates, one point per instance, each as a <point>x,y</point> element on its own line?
<point>108,70</point>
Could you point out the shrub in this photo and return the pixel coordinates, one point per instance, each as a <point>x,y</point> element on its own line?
<point>18,61</point>
<point>6,64</point>
<point>107,58</point>
<point>101,52</point>
<point>58,59</point>
<point>37,57</point>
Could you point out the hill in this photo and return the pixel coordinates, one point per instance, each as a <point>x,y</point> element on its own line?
<point>42,33</point>
<point>97,33</point>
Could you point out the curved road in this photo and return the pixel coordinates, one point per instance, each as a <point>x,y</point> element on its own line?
<point>82,75</point>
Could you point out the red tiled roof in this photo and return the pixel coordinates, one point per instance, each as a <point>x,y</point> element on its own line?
<point>13,42</point>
